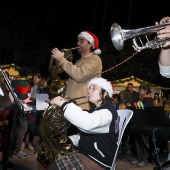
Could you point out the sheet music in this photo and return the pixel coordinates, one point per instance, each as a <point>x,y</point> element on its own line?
<point>40,101</point>
<point>27,107</point>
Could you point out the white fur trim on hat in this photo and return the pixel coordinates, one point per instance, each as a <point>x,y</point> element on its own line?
<point>87,36</point>
<point>92,39</point>
<point>103,83</point>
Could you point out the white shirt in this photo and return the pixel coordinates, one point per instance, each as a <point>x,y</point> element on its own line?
<point>164,70</point>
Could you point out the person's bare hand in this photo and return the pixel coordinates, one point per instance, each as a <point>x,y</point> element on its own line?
<point>56,54</point>
<point>165,31</point>
<point>47,101</point>
<point>58,101</point>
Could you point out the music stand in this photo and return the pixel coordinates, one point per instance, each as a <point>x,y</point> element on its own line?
<point>5,101</point>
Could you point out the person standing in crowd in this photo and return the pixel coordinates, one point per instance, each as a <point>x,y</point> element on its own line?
<point>21,87</point>
<point>86,68</point>
<point>116,100</point>
<point>125,102</point>
<point>145,101</point>
<point>135,94</point>
<point>157,101</point>
<point>145,96</point>
<point>98,123</point>
<point>35,115</point>
<point>164,56</point>
<point>135,98</point>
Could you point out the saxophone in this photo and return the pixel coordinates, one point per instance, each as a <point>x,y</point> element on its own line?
<point>53,125</point>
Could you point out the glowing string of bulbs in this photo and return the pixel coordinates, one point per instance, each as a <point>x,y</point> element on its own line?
<point>120,63</point>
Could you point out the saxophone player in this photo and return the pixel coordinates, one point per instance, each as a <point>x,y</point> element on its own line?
<point>97,140</point>
<point>164,56</point>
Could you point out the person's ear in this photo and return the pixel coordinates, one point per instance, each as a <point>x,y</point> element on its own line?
<point>105,93</point>
<point>90,45</point>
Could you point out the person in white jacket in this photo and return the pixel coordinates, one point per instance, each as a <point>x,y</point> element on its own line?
<point>164,56</point>
<point>99,128</point>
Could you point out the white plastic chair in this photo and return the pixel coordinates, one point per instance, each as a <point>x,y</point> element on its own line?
<point>125,116</point>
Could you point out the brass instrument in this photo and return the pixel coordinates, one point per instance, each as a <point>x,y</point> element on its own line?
<point>118,36</point>
<point>53,125</point>
<point>58,86</point>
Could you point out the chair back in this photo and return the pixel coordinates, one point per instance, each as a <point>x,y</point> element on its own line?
<point>125,116</point>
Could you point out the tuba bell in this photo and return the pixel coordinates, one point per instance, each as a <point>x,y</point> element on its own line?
<point>58,85</point>
<point>118,36</point>
<point>53,125</point>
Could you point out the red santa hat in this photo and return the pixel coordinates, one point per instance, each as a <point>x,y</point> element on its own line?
<point>92,39</point>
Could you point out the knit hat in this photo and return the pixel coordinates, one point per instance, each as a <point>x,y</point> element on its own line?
<point>103,83</point>
<point>92,39</point>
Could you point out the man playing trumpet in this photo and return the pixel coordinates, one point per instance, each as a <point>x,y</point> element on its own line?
<point>164,56</point>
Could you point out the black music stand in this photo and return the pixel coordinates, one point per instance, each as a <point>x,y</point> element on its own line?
<point>5,103</point>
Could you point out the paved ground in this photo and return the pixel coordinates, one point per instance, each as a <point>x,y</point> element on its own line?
<point>31,163</point>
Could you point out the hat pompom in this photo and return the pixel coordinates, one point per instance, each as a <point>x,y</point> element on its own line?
<point>98,52</point>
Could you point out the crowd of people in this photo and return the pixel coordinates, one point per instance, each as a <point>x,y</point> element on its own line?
<point>94,116</point>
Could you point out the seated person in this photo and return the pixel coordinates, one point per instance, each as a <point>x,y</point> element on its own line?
<point>97,141</point>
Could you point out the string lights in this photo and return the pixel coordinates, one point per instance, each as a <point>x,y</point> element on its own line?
<point>120,63</point>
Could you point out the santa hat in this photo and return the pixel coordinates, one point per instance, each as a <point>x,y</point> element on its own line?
<point>92,39</point>
<point>103,83</point>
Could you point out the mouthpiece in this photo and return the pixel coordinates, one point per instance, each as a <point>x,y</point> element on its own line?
<point>70,49</point>
<point>79,98</point>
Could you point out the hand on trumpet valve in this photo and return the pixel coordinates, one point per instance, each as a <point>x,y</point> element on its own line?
<point>165,20</point>
<point>58,101</point>
<point>164,32</point>
<point>56,54</point>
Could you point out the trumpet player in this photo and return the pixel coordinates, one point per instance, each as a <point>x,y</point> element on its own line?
<point>164,56</point>
<point>86,68</point>
<point>97,140</point>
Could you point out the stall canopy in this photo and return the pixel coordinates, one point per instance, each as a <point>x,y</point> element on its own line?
<point>12,69</point>
<point>121,84</point>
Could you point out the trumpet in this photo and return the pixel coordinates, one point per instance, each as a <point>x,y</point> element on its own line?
<point>118,36</point>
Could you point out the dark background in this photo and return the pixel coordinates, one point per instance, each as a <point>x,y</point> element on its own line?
<point>30,29</point>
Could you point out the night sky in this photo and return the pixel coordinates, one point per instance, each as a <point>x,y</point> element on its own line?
<point>30,29</point>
